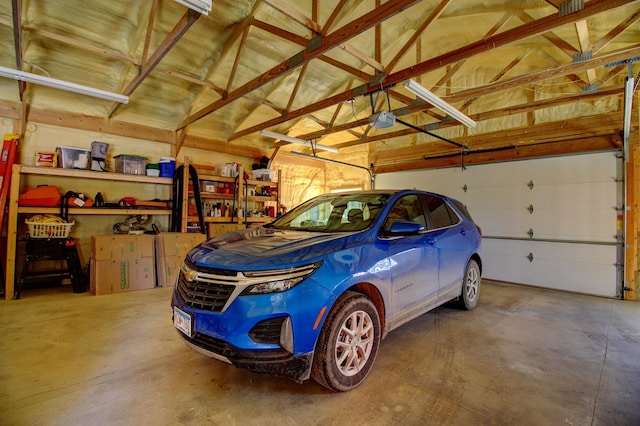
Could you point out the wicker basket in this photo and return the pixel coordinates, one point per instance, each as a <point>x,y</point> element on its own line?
<point>49,230</point>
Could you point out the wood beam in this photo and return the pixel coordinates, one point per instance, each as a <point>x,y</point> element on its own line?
<point>585,46</point>
<point>102,125</point>
<point>183,25</point>
<point>293,14</point>
<point>17,44</point>
<point>611,35</point>
<point>223,147</point>
<point>575,129</point>
<point>522,32</point>
<point>503,112</point>
<point>327,43</point>
<point>435,14</point>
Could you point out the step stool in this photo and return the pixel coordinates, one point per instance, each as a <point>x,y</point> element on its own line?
<point>52,249</point>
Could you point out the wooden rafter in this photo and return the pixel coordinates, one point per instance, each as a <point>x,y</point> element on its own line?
<point>292,13</point>
<point>294,92</point>
<point>501,74</point>
<point>435,14</point>
<point>538,27</point>
<point>183,25</point>
<point>585,46</point>
<point>236,61</point>
<point>561,44</point>
<point>334,15</point>
<point>327,43</point>
<point>17,41</point>
<point>611,35</point>
<point>147,37</point>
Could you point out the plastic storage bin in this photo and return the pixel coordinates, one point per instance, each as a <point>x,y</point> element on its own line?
<point>73,158</point>
<point>130,164</point>
<point>167,166</point>
<point>264,175</point>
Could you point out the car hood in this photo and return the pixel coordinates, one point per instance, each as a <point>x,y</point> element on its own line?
<point>268,248</point>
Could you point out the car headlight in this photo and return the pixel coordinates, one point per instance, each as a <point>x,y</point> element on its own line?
<point>275,281</point>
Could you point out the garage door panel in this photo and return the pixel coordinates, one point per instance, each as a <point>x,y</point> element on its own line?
<point>573,198</point>
<point>582,268</point>
<point>575,224</point>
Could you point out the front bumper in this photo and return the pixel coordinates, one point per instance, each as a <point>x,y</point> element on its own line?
<point>277,362</point>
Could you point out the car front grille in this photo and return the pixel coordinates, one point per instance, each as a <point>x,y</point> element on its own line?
<point>206,290</point>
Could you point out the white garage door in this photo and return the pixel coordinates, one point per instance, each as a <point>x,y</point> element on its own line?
<point>546,222</point>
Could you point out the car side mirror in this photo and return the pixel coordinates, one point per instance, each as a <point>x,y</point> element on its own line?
<point>405,228</point>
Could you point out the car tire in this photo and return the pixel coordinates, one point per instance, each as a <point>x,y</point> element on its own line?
<point>470,286</point>
<point>348,343</point>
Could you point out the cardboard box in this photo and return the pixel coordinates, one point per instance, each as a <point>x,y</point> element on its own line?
<point>122,263</point>
<point>171,248</point>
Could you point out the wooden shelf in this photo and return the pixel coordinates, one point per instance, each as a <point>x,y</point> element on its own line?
<point>93,211</point>
<point>88,174</point>
<point>212,219</point>
<point>18,171</point>
<point>213,196</point>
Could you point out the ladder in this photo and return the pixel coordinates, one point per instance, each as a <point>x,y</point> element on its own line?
<point>7,158</point>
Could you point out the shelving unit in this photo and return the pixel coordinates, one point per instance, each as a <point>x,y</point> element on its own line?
<point>238,199</point>
<point>15,210</point>
<point>259,203</point>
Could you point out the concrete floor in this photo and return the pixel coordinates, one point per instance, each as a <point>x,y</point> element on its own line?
<point>525,356</point>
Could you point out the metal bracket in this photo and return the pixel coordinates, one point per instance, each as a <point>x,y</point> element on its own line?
<point>314,43</point>
<point>582,57</point>
<point>590,89</point>
<point>296,60</point>
<point>570,6</point>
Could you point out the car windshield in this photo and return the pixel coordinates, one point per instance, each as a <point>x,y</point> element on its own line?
<point>334,213</point>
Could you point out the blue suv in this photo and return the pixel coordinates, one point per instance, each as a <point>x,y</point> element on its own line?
<point>313,293</point>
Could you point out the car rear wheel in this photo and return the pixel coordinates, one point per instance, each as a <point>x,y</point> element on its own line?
<point>471,286</point>
<point>348,343</point>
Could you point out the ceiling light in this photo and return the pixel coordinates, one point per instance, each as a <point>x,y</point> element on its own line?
<point>297,141</point>
<point>62,85</point>
<point>437,102</point>
<point>200,6</point>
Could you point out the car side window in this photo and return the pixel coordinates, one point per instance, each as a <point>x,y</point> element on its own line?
<point>408,209</point>
<point>440,213</point>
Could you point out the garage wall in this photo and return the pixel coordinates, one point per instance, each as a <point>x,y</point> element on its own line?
<point>546,222</point>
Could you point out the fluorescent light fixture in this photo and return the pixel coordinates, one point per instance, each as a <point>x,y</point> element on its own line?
<point>297,141</point>
<point>437,102</point>
<point>200,6</point>
<point>62,85</point>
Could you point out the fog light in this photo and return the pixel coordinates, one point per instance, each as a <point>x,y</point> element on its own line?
<point>286,335</point>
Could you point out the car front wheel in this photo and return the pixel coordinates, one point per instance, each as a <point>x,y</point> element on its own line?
<point>348,343</point>
<point>471,286</point>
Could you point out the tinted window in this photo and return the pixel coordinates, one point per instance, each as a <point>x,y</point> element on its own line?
<point>440,213</point>
<point>463,209</point>
<point>340,212</point>
<point>406,209</point>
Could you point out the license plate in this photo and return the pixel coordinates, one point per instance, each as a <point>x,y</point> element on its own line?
<point>182,321</point>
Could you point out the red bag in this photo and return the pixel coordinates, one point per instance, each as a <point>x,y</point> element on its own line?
<point>44,196</point>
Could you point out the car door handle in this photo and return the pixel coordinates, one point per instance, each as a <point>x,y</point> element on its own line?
<point>431,241</point>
